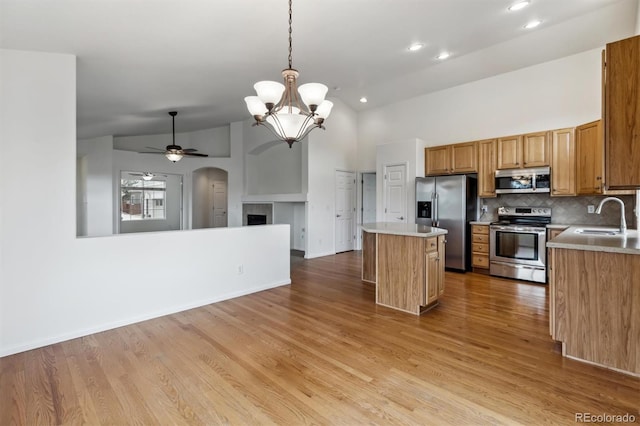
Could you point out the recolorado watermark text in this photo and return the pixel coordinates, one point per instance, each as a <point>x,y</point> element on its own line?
<point>604,418</point>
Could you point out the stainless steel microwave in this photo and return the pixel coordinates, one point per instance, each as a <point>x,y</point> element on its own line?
<point>516,181</point>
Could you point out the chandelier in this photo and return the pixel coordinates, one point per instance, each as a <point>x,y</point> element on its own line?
<point>279,106</point>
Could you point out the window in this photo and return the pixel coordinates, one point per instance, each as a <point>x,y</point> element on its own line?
<point>142,199</point>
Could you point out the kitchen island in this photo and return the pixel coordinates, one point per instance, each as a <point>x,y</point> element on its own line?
<point>406,262</point>
<point>594,296</point>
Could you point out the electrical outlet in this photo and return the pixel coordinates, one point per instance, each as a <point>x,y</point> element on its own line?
<point>485,208</point>
<point>240,269</point>
<point>591,208</point>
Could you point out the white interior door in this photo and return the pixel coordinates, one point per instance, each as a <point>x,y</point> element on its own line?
<point>219,204</point>
<point>345,210</point>
<point>395,193</point>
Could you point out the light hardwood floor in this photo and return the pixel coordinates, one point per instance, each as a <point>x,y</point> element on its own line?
<point>321,352</point>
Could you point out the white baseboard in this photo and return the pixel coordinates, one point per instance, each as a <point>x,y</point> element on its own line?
<point>314,255</point>
<point>115,324</point>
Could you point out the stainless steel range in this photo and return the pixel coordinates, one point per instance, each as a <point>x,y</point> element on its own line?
<point>517,241</point>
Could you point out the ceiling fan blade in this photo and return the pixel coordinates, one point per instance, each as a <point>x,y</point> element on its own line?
<point>154,152</point>
<point>194,154</point>
<point>189,149</point>
<point>157,149</point>
<point>136,174</point>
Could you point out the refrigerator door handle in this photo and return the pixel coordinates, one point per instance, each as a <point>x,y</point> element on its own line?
<point>436,219</point>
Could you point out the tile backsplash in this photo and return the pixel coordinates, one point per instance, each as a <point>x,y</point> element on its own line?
<point>566,210</point>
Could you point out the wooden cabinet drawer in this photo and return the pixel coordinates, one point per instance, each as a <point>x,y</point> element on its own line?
<point>479,238</point>
<point>480,248</point>
<point>480,229</point>
<point>431,244</point>
<point>480,260</point>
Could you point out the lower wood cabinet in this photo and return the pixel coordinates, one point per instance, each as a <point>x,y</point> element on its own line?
<point>480,248</point>
<point>434,269</point>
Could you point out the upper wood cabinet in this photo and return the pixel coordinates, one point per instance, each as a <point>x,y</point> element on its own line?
<point>530,150</point>
<point>589,159</point>
<point>563,163</point>
<point>448,159</point>
<point>487,159</point>
<point>622,114</point>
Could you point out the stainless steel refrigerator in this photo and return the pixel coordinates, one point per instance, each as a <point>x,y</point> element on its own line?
<point>449,202</point>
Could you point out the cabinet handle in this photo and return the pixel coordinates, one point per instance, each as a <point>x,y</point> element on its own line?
<point>598,177</point>
<point>433,245</point>
<point>517,164</point>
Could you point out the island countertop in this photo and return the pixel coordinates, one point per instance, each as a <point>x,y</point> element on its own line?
<point>570,239</point>
<point>407,229</point>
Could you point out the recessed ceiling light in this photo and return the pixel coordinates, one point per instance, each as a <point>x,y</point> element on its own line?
<point>415,47</point>
<point>443,55</point>
<point>363,100</point>
<point>533,24</point>
<point>519,5</point>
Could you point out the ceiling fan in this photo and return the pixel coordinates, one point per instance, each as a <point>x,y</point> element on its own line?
<point>146,175</point>
<point>174,152</point>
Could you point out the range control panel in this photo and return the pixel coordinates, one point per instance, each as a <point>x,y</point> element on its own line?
<point>524,211</point>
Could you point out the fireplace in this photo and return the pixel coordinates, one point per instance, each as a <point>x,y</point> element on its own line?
<point>256,219</point>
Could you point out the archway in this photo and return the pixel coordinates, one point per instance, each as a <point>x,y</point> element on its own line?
<point>210,198</point>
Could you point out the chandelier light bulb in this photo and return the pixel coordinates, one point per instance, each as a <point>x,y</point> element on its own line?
<point>313,93</point>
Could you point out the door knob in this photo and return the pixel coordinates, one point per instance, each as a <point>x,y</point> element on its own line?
<point>400,218</point>
<point>337,215</point>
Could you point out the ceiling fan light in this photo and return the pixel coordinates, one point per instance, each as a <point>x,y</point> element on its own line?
<point>324,109</point>
<point>313,93</point>
<point>255,106</point>
<point>173,156</point>
<point>269,92</point>
<point>147,176</point>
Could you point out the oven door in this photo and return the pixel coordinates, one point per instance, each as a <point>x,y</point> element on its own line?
<point>518,245</point>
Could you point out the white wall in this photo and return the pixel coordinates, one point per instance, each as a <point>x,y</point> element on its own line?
<point>638,19</point>
<point>328,150</point>
<point>275,170</point>
<point>556,94</point>
<point>292,214</point>
<point>54,286</point>
<point>95,186</point>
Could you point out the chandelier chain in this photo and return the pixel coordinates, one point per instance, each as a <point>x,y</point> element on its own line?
<point>290,31</point>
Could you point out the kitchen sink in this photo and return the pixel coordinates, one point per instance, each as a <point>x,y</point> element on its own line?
<point>587,231</point>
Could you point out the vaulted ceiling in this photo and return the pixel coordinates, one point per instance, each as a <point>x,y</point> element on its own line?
<point>138,59</point>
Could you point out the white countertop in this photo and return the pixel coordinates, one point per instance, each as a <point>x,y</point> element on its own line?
<point>407,229</point>
<point>626,244</point>
<point>480,222</point>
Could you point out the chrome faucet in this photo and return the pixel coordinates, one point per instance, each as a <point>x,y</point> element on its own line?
<point>623,221</point>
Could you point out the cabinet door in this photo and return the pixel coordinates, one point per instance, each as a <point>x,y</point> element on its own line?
<point>589,158</point>
<point>509,152</point>
<point>441,247</point>
<point>487,158</point>
<point>535,149</point>
<point>437,160</point>
<point>464,158</point>
<point>431,277</point>
<point>622,114</point>
<point>563,163</point>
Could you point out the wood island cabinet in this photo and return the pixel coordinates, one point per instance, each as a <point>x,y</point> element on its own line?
<point>622,114</point>
<point>563,160</point>
<point>449,159</point>
<point>407,269</point>
<point>530,150</point>
<point>487,160</point>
